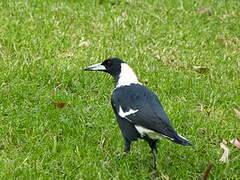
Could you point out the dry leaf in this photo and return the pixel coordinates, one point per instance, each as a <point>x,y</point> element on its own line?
<point>231,15</point>
<point>224,141</point>
<point>84,44</point>
<point>235,142</point>
<point>124,14</point>
<point>237,112</point>
<point>226,152</point>
<point>69,54</point>
<point>205,109</point>
<point>200,69</point>
<point>207,171</point>
<point>168,62</point>
<point>202,131</point>
<point>59,104</point>
<point>158,56</point>
<point>204,11</point>
<point>66,54</point>
<point>163,176</point>
<point>145,81</point>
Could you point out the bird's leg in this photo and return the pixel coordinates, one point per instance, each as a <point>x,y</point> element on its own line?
<point>153,145</point>
<point>126,148</point>
<point>127,145</point>
<point>154,153</point>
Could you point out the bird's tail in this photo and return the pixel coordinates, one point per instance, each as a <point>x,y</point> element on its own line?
<point>181,140</point>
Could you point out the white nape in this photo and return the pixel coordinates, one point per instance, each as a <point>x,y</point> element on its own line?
<point>152,134</point>
<point>124,114</point>
<point>127,76</point>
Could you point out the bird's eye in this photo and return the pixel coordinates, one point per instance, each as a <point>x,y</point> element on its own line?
<point>109,63</point>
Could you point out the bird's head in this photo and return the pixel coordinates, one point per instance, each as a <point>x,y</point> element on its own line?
<point>111,66</point>
<point>121,72</point>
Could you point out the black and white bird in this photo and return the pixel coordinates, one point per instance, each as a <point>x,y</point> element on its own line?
<point>137,109</point>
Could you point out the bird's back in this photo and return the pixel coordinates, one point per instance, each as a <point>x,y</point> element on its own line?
<point>149,112</point>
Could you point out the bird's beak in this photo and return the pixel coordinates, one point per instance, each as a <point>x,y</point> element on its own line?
<point>96,67</point>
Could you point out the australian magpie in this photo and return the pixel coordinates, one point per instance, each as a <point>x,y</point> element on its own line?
<point>137,109</point>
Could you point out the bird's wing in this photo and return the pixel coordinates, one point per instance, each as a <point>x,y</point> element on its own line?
<point>141,107</point>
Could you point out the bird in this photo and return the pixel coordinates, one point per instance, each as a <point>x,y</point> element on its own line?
<point>138,110</point>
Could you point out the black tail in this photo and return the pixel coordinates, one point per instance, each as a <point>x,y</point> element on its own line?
<point>181,140</point>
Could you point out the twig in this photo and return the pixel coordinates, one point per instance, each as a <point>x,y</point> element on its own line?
<point>207,171</point>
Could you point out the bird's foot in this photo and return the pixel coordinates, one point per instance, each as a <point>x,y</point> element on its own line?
<point>121,155</point>
<point>154,173</point>
<point>126,150</point>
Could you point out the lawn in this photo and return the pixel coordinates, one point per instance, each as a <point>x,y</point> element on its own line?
<point>56,120</point>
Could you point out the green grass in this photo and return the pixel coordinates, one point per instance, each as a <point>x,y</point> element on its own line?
<point>42,60</point>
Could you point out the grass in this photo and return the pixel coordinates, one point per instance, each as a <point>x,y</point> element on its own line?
<point>44,45</point>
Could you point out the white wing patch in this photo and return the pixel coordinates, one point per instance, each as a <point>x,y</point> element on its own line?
<point>124,114</point>
<point>143,130</point>
<point>152,134</point>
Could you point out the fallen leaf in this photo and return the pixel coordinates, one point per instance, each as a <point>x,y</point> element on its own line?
<point>124,14</point>
<point>205,11</point>
<point>213,141</point>
<point>207,171</point>
<point>173,63</point>
<point>59,104</point>
<point>229,42</point>
<point>169,62</point>
<point>200,69</point>
<point>202,131</point>
<point>145,81</point>
<point>69,54</point>
<point>224,141</point>
<point>166,61</point>
<point>237,112</point>
<point>226,16</point>
<point>66,54</point>
<point>226,152</point>
<point>235,142</point>
<point>84,44</point>
<point>158,56</point>
<point>163,176</point>
<point>205,109</point>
